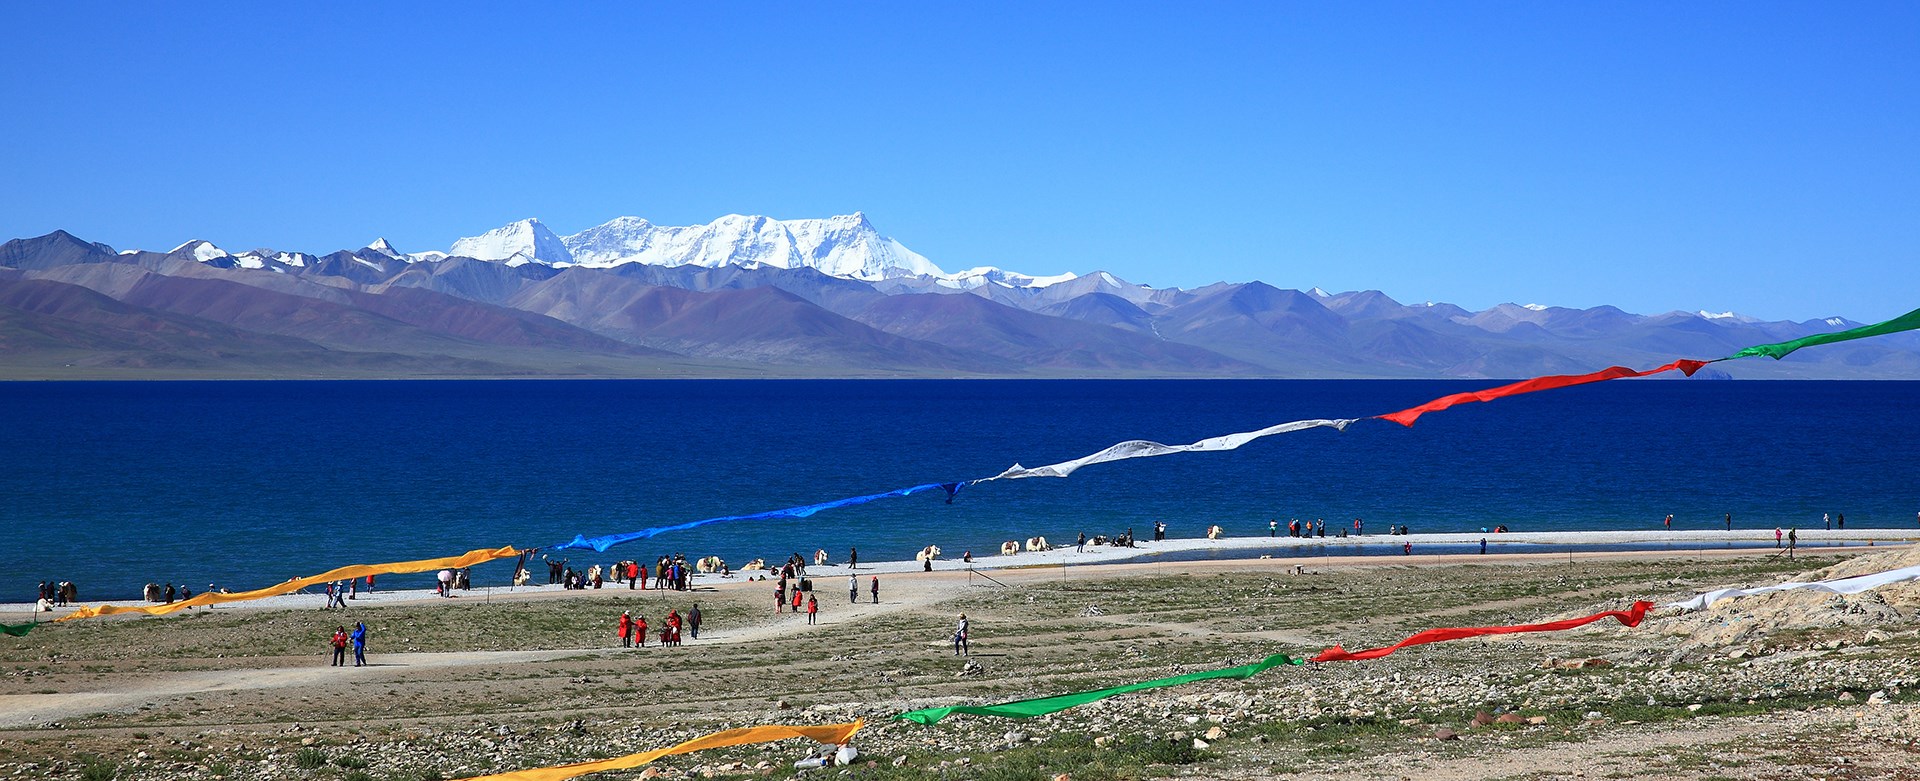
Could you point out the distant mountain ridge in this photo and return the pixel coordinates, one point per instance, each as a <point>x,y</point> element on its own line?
<point>755,296</point>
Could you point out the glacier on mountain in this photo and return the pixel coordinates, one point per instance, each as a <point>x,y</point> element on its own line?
<point>516,244</point>
<point>842,246</point>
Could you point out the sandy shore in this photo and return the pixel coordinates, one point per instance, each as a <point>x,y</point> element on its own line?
<point>1282,550</point>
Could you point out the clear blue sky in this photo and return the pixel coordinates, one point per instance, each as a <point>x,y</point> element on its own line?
<point>1755,157</point>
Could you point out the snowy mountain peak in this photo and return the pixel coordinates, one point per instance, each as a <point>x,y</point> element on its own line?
<point>1733,317</point>
<point>1535,307</point>
<point>202,250</point>
<point>841,246</point>
<point>1318,293</point>
<point>382,246</point>
<point>515,244</point>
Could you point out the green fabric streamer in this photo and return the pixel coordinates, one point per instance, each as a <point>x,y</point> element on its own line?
<point>1020,709</point>
<point>17,630</point>
<point>1906,322</point>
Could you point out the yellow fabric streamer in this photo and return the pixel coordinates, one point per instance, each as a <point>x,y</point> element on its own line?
<point>350,571</point>
<point>824,733</point>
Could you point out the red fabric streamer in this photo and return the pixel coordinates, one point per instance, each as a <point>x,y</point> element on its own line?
<point>1406,417</point>
<point>1629,617</point>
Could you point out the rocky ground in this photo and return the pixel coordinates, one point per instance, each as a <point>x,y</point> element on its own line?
<point>1786,685</point>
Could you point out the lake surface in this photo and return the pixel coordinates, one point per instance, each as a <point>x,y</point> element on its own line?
<point>112,485</point>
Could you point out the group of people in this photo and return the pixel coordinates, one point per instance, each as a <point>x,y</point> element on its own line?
<point>59,594</point>
<point>166,594</point>
<point>632,629</point>
<point>357,638</point>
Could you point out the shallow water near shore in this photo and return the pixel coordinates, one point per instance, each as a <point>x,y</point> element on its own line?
<point>112,485</point>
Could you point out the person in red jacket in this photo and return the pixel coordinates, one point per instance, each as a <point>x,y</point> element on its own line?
<point>640,630</point>
<point>626,630</point>
<point>633,574</point>
<point>339,646</point>
<point>813,609</point>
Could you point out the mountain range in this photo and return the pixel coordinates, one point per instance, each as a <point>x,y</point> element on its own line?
<point>748,296</point>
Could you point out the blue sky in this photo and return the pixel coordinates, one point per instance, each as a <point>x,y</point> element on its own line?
<point>1763,158</point>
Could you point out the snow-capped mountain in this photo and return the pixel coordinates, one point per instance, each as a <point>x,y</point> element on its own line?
<point>844,246</point>
<point>518,243</point>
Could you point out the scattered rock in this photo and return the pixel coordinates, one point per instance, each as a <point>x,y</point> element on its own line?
<point>1198,743</point>
<point>1482,719</point>
<point>971,670</point>
<point>1215,734</point>
<point>1536,720</point>
<point>1844,697</point>
<point>1877,698</point>
<point>1510,718</point>
<point>1016,737</point>
<point>1445,734</point>
<point>900,761</point>
<point>782,704</point>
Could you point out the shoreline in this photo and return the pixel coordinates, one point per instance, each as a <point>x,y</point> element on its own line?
<point>1384,550</point>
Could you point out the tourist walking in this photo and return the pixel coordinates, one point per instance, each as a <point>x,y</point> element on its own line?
<point>339,646</point>
<point>1793,541</point>
<point>876,589</point>
<point>960,638</point>
<point>813,609</point>
<point>853,557</point>
<point>359,638</point>
<point>693,621</point>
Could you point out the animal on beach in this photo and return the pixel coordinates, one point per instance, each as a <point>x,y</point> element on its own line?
<point>708,565</point>
<point>1009,548</point>
<point>820,557</point>
<point>1214,532</point>
<point>928,553</point>
<point>1038,544</point>
<point>755,564</point>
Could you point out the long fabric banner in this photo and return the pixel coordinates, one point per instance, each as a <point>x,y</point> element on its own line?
<point>1040,706</point>
<point>602,543</point>
<point>1407,416</point>
<point>1907,322</point>
<point>17,630</point>
<point>1629,617</point>
<point>1853,585</point>
<point>833,734</point>
<point>350,571</point>
<point>1141,448</point>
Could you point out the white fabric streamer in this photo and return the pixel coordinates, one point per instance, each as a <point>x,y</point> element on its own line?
<point>1140,448</point>
<point>1853,585</point>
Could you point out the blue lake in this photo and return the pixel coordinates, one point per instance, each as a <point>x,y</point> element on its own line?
<point>112,485</point>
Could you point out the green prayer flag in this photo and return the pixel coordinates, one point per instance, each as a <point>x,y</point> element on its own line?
<point>1020,709</point>
<point>17,630</point>
<point>1906,322</point>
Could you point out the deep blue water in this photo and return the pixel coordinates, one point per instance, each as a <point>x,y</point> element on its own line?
<point>246,483</point>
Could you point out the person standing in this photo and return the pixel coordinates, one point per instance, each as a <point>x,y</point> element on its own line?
<point>640,631</point>
<point>1729,521</point>
<point>813,609</point>
<point>1669,522</point>
<point>1840,521</point>
<point>780,595</point>
<point>369,584</point>
<point>693,621</point>
<point>359,644</point>
<point>625,629</point>
<point>853,558</point>
<point>960,638</point>
<point>1793,541</point>
<point>339,646</point>
<point>1483,546</point>
<point>1827,521</point>
<point>1273,527</point>
<point>1081,545</point>
<point>876,589</point>
<point>796,600</point>
<point>853,589</point>
<point>1776,536</point>
<point>1407,548</point>
<point>1356,527</point>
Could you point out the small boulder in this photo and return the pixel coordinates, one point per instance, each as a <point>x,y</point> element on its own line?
<point>1216,733</point>
<point>1510,718</point>
<point>1445,734</point>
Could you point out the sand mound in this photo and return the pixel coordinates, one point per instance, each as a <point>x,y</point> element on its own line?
<point>1761,622</point>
